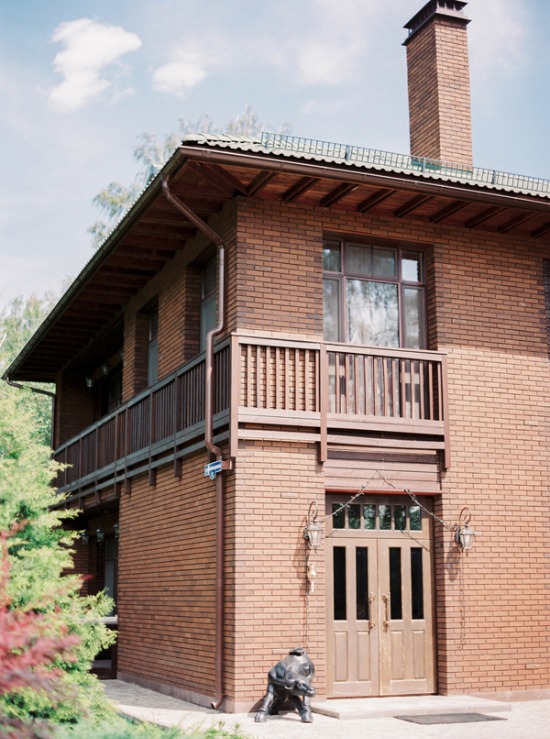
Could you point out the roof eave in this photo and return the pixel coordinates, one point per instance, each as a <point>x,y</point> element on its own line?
<point>149,193</point>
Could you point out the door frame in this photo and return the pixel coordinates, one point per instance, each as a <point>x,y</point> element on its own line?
<point>373,637</point>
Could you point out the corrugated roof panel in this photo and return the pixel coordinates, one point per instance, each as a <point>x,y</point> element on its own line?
<point>297,148</point>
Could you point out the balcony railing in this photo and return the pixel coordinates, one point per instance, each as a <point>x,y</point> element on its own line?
<point>267,386</point>
<point>148,427</point>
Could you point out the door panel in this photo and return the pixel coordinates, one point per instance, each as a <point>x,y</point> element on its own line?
<point>407,634</point>
<point>379,607</point>
<point>351,646</point>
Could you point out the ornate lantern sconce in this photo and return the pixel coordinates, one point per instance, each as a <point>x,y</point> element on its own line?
<point>85,537</point>
<point>313,529</point>
<point>464,534</point>
<point>100,534</point>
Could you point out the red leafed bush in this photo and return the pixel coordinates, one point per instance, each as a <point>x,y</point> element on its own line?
<point>30,644</point>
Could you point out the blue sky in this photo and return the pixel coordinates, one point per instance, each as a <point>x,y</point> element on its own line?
<point>81,80</point>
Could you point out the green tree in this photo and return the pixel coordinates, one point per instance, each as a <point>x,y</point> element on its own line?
<point>39,553</point>
<point>150,154</point>
<point>19,319</point>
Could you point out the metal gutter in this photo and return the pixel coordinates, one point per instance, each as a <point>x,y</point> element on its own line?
<point>209,429</point>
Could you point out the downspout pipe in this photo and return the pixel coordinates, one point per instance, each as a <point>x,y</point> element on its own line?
<point>209,428</point>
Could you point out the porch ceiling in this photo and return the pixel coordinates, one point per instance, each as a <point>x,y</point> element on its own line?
<point>205,177</point>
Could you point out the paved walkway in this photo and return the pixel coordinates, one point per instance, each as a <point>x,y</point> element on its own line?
<point>371,718</point>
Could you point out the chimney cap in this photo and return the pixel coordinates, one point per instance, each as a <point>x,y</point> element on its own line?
<point>449,9</point>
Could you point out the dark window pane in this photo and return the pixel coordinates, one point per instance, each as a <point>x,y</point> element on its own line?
<point>358,259</point>
<point>395,584</point>
<point>339,583</point>
<point>400,517</point>
<point>384,263</point>
<point>362,583</point>
<point>384,516</point>
<point>369,516</point>
<point>417,586</point>
<point>153,347</point>
<point>414,333</point>
<point>354,516</point>
<point>331,310</point>
<point>331,256</point>
<point>411,266</point>
<point>209,311</point>
<point>209,278</point>
<point>415,518</point>
<point>338,519</point>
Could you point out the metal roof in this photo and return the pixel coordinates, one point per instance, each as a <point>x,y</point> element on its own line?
<point>295,147</point>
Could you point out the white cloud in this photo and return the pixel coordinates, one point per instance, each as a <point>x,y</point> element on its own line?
<point>181,74</point>
<point>331,43</point>
<point>499,35</point>
<point>90,48</point>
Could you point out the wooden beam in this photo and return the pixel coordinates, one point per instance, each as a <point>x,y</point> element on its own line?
<point>373,200</point>
<point>299,188</point>
<point>538,232</point>
<point>411,205</point>
<point>222,180</point>
<point>484,216</point>
<point>515,222</point>
<point>259,182</point>
<point>337,194</point>
<point>448,211</point>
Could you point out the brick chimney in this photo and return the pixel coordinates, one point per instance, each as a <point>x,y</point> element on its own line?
<point>439,83</point>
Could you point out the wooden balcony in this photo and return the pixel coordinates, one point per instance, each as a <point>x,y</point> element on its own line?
<point>267,388</point>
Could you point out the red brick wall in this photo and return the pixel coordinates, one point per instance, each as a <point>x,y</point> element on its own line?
<point>487,311</point>
<point>486,302</point>
<point>167,579</point>
<point>267,501</point>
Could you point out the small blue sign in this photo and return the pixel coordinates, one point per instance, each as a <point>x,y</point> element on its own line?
<point>212,469</point>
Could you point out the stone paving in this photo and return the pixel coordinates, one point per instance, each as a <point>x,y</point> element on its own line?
<point>358,719</point>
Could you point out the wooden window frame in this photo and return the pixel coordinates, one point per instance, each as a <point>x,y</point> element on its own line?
<point>342,276</point>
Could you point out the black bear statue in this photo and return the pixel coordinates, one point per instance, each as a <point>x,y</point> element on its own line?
<point>289,680</point>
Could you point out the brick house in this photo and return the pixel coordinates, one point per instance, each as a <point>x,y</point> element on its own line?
<point>323,321</point>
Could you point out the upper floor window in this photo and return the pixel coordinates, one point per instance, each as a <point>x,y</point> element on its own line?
<point>209,299</point>
<point>374,294</point>
<point>153,346</point>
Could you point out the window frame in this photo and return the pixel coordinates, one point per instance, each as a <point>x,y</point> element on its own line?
<point>342,277</point>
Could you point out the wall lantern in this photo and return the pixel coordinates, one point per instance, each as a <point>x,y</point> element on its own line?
<point>100,536</point>
<point>105,369</point>
<point>313,529</point>
<point>464,534</point>
<point>89,383</point>
<point>85,537</point>
<point>116,530</point>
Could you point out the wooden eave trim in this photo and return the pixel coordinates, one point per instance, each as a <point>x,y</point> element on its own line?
<point>299,188</point>
<point>448,211</point>
<point>411,205</point>
<point>464,192</point>
<point>486,215</point>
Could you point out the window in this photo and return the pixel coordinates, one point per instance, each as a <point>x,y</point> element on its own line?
<point>209,301</point>
<point>374,294</point>
<point>153,346</point>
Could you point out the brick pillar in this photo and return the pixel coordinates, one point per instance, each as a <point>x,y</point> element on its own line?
<point>439,83</point>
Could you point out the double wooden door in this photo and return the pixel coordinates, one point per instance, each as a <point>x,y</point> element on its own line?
<point>379,599</point>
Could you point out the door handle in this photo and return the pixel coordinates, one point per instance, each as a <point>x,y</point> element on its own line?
<point>386,599</point>
<point>372,622</point>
